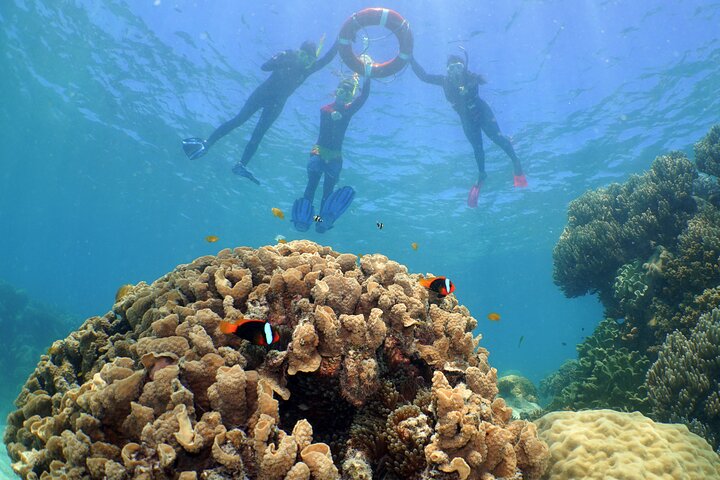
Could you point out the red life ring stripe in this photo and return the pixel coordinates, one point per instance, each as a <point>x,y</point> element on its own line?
<point>382,17</point>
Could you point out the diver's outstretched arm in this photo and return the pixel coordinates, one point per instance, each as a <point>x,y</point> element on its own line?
<point>424,76</point>
<point>325,59</point>
<point>360,101</point>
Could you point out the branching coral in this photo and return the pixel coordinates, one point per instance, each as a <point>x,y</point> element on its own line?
<point>684,382</point>
<point>651,249</point>
<point>616,225</point>
<point>707,152</point>
<point>606,374</point>
<point>155,390</point>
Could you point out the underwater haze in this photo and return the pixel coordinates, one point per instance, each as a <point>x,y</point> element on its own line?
<point>96,97</point>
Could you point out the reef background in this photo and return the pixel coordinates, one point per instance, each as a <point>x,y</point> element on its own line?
<point>96,192</point>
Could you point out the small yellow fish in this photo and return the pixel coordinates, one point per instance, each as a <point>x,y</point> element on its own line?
<point>282,240</point>
<point>278,213</point>
<point>123,291</point>
<point>414,245</point>
<point>211,239</point>
<point>493,316</point>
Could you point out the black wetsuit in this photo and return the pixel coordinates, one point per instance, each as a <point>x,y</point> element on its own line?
<point>326,155</point>
<point>475,114</point>
<point>288,73</point>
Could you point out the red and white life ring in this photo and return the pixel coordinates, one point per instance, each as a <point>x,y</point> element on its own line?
<point>382,17</point>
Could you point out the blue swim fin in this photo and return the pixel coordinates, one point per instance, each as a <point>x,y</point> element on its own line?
<point>334,206</point>
<point>302,214</point>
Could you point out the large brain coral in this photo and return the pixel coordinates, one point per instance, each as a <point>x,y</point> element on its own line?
<point>604,444</point>
<point>373,376</point>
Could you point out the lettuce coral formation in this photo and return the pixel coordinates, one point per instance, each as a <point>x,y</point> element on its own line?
<point>373,375</point>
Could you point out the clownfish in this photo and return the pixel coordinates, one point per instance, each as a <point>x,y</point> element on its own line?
<point>258,332</point>
<point>440,285</point>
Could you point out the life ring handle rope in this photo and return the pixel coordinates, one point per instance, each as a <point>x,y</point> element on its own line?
<point>382,17</point>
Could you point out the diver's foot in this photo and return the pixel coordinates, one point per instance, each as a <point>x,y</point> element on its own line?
<point>302,214</point>
<point>334,206</point>
<point>473,194</point>
<point>520,181</point>
<point>240,169</point>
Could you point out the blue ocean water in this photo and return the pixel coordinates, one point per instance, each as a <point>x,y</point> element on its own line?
<point>95,190</point>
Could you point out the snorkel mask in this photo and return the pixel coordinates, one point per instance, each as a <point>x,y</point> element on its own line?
<point>455,69</point>
<point>346,89</point>
<point>307,54</point>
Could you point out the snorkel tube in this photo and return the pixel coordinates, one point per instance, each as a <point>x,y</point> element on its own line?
<point>465,71</point>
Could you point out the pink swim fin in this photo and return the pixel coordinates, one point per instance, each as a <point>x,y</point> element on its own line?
<point>473,196</point>
<point>520,181</point>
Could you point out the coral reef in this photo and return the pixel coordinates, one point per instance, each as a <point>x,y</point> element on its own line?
<point>616,225</point>
<point>684,382</point>
<point>651,249</point>
<point>519,394</point>
<point>707,152</point>
<point>606,375</point>
<point>373,376</point>
<point>601,444</point>
<point>31,326</point>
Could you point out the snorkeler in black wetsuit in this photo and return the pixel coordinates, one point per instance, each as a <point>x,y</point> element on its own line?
<point>326,158</point>
<point>461,90</point>
<point>289,70</point>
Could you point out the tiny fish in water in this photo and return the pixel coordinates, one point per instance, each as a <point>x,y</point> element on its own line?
<point>278,213</point>
<point>256,331</point>
<point>522,337</point>
<point>414,245</point>
<point>122,292</point>
<point>280,239</point>
<point>317,218</point>
<point>211,239</point>
<point>563,344</point>
<point>493,316</point>
<point>379,225</point>
<point>440,285</point>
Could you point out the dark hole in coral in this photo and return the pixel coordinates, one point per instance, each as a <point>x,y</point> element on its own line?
<point>318,400</point>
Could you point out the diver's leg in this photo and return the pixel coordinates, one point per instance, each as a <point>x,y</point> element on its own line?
<point>251,106</point>
<point>314,171</point>
<point>473,133</point>
<point>268,116</point>
<point>492,130</point>
<point>332,175</point>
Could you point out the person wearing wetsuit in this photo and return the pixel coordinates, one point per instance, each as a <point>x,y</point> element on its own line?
<point>461,90</point>
<point>326,159</point>
<point>289,70</point>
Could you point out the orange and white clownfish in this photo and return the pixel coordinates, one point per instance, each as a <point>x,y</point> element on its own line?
<point>440,285</point>
<point>258,332</point>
